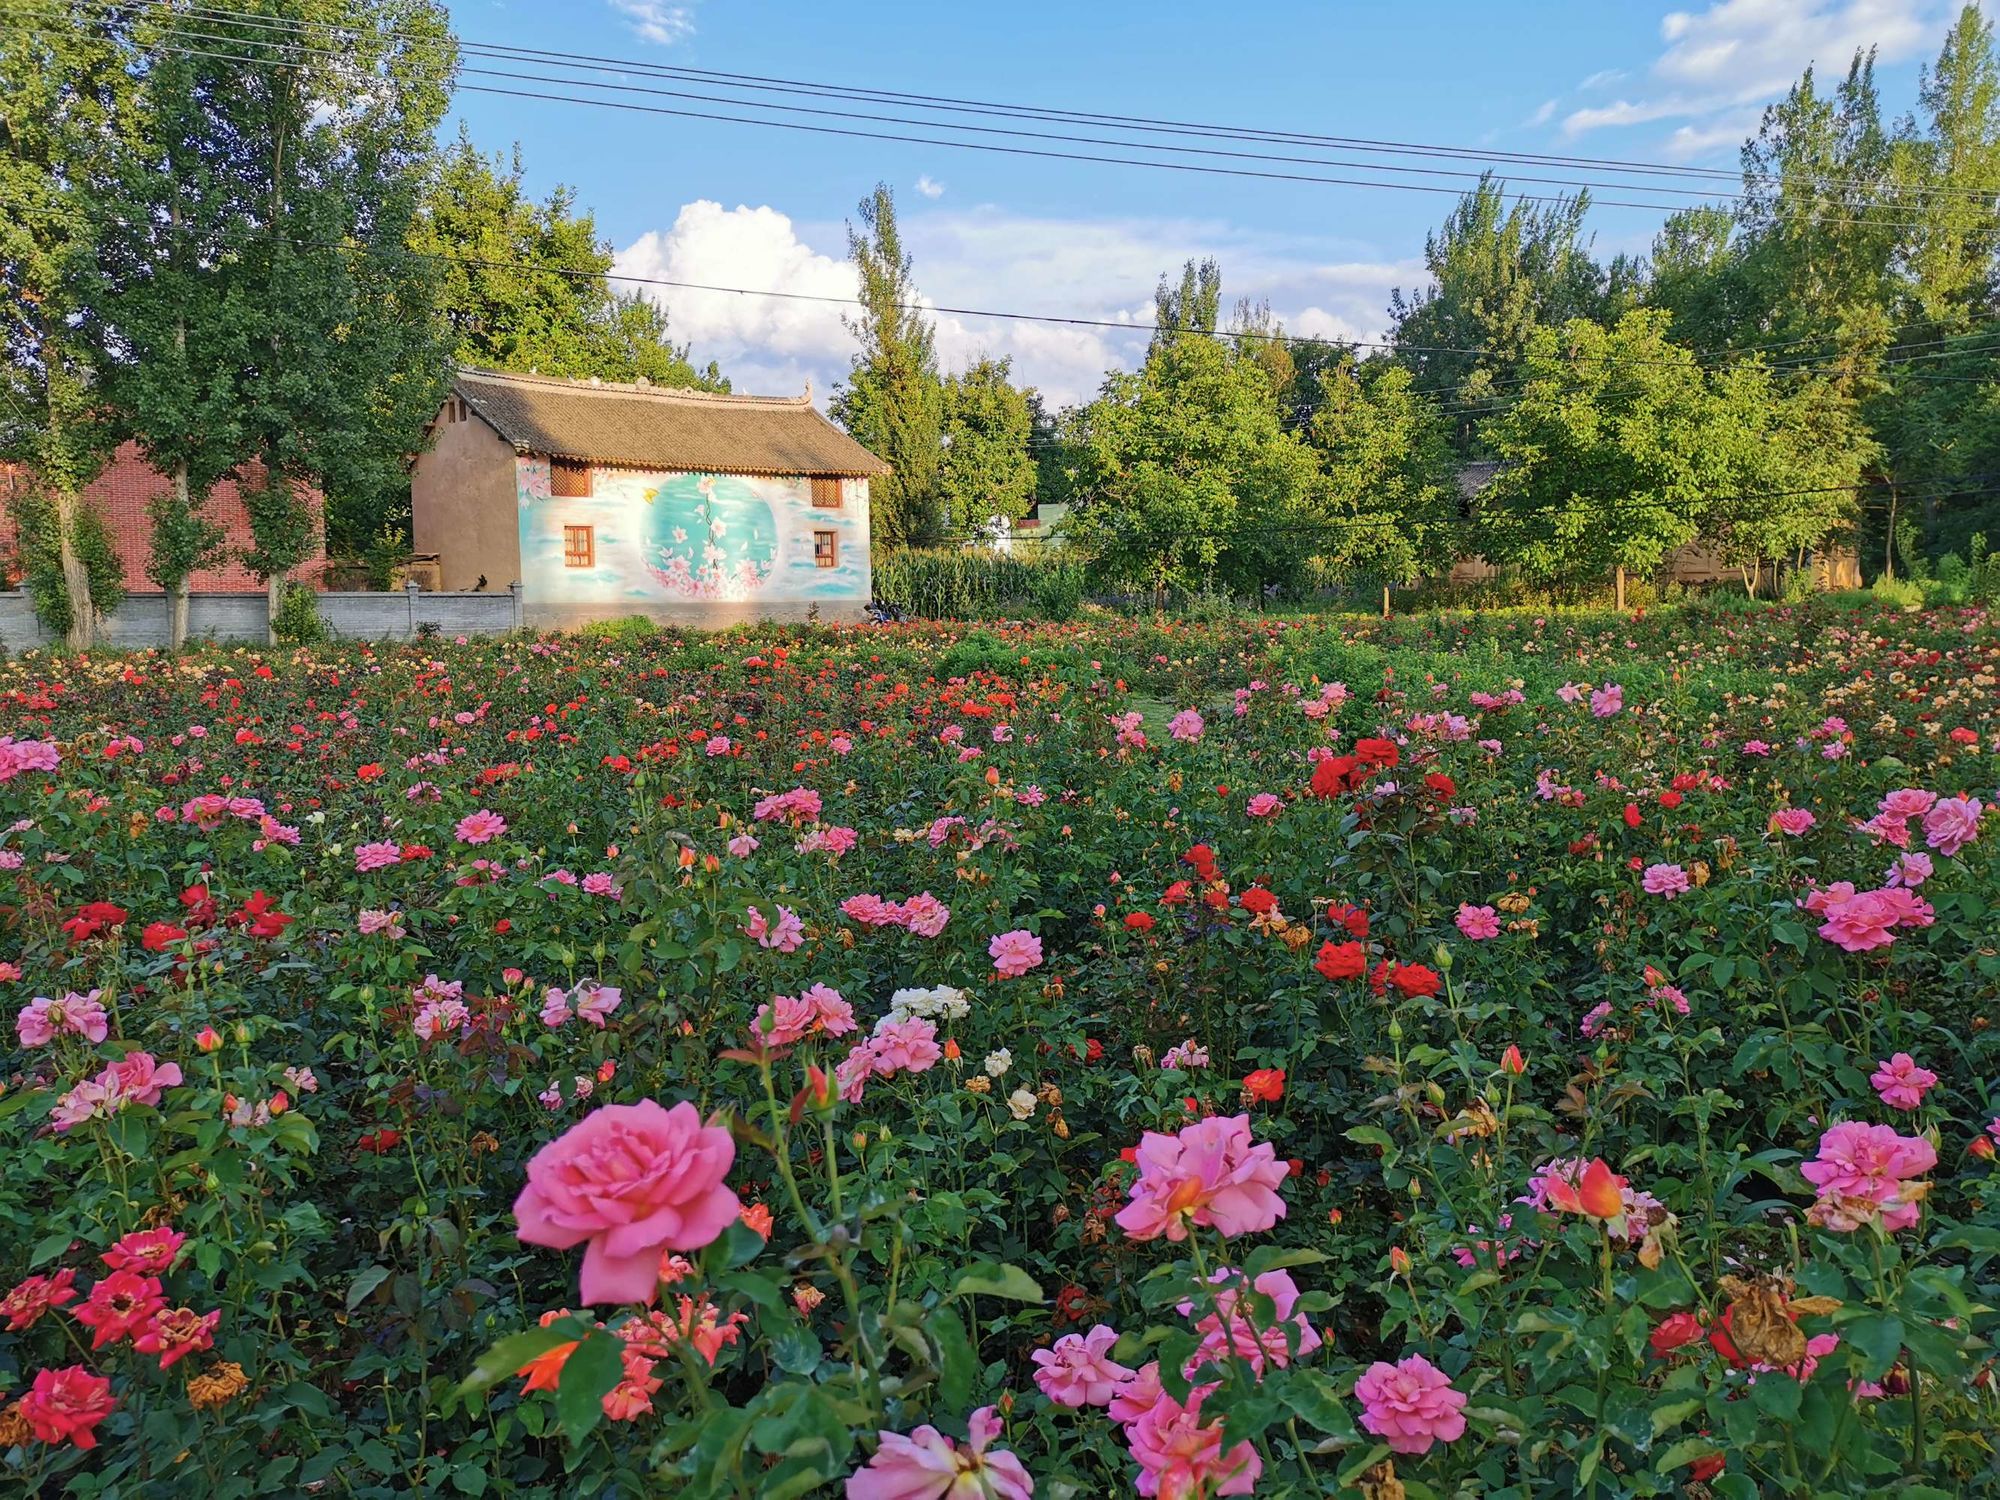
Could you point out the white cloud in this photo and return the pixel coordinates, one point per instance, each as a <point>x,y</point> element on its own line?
<point>1100,270</point>
<point>1543,115</point>
<point>929,186</point>
<point>1603,78</point>
<point>656,21</point>
<point>1739,52</point>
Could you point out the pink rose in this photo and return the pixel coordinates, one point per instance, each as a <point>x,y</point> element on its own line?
<point>1478,922</point>
<point>1952,824</point>
<point>633,1180</point>
<point>1080,1371</point>
<point>1014,953</point>
<point>1665,880</point>
<point>1410,1405</point>
<point>1181,1455</point>
<point>1211,1173</point>
<point>1901,1083</point>
<point>927,1465</point>
<point>1860,1172</point>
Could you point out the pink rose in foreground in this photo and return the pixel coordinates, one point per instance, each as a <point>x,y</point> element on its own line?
<point>1410,1405</point>
<point>1264,805</point>
<point>1181,1456</point>
<point>42,1020</point>
<point>1014,953</point>
<point>1080,1371</point>
<point>1861,1173</point>
<point>1478,922</point>
<point>1210,1174</point>
<point>1230,1331</point>
<point>1792,821</point>
<point>632,1180</point>
<point>1901,1083</point>
<point>927,1465</point>
<point>1952,823</point>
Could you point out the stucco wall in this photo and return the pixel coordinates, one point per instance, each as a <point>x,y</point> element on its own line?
<point>692,548</point>
<point>462,504</point>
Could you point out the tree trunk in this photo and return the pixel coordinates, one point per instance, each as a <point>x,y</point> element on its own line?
<point>1750,578</point>
<point>274,593</point>
<point>177,594</point>
<point>1889,548</point>
<point>177,615</point>
<point>82,633</point>
<point>1385,601</point>
<point>1618,588</point>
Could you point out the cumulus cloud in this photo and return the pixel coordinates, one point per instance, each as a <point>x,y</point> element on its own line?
<point>929,186</point>
<point>1739,52</point>
<point>656,21</point>
<point>1099,270</point>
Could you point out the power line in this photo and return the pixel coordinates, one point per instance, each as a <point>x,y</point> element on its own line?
<point>291,40</point>
<point>945,103</point>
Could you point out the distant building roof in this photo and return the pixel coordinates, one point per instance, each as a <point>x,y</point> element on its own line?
<point>654,427</point>
<point>1474,477</point>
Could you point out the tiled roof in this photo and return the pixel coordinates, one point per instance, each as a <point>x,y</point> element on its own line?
<point>653,427</point>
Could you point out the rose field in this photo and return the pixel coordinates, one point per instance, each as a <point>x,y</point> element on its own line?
<point>1494,1055</point>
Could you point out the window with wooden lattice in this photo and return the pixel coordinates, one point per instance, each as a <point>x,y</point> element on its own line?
<point>569,479</point>
<point>826,550</point>
<point>826,493</point>
<point>579,547</point>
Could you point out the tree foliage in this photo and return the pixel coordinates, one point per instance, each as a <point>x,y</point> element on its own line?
<point>893,400</point>
<point>989,423</point>
<point>523,285</point>
<point>1392,498</point>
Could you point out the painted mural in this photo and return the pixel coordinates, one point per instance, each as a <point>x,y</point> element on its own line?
<point>668,538</point>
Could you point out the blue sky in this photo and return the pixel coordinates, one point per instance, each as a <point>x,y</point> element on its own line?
<point>739,205</point>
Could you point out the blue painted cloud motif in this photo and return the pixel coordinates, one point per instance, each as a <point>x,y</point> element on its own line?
<point>710,536</point>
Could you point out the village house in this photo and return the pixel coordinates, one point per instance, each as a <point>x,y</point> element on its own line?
<point>604,500</point>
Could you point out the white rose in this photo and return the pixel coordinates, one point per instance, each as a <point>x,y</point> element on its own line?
<point>1022,1103</point>
<point>998,1062</point>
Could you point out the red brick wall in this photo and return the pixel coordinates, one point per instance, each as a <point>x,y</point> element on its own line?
<point>120,495</point>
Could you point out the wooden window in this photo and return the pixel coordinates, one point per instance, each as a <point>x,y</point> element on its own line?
<point>826,550</point>
<point>826,493</point>
<point>569,479</point>
<point>579,547</point>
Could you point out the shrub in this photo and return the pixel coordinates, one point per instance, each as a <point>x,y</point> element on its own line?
<point>298,621</point>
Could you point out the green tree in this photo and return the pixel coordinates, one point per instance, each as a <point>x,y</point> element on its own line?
<point>989,422</point>
<point>167,342</point>
<point>1609,456</point>
<point>63,87</point>
<point>1948,181</point>
<point>1819,240</point>
<point>893,400</point>
<point>310,321</point>
<point>1185,478</point>
<point>1191,305</point>
<point>525,285</point>
<point>1497,275</point>
<point>1391,490</point>
<point>1790,452</point>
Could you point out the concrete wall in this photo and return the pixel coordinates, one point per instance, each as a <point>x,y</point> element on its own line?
<point>462,500</point>
<point>141,621</point>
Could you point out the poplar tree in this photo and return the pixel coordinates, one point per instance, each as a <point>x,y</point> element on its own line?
<point>893,401</point>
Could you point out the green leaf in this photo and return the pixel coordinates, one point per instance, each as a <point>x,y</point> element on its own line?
<point>1009,1282</point>
<point>1316,1399</point>
<point>588,1375</point>
<point>1879,1338</point>
<point>1277,1258</point>
<point>1777,1395</point>
<point>1672,1413</point>
<point>506,1357</point>
<point>958,1361</point>
<point>365,1281</point>
<point>1686,1451</point>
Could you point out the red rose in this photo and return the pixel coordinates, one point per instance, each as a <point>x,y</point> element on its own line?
<point>1257,901</point>
<point>1139,921</point>
<point>1675,1331</point>
<point>1342,961</point>
<point>1266,1084</point>
<point>1353,918</point>
<point>1415,981</point>
<point>1441,784</point>
<point>1670,800</point>
<point>1633,817</point>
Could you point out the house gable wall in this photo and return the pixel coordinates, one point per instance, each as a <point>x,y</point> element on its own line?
<point>462,494</point>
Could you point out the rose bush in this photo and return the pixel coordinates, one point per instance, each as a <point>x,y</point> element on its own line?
<point>1499,1055</point>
